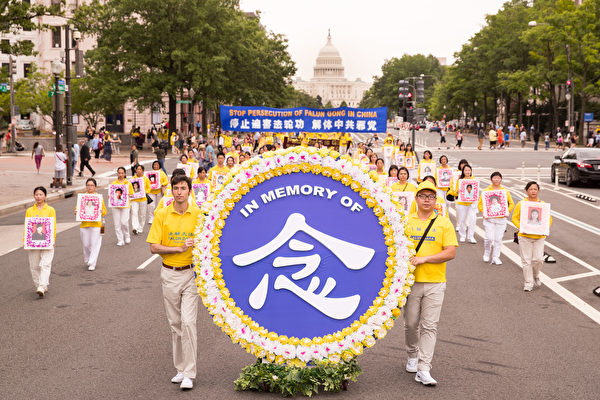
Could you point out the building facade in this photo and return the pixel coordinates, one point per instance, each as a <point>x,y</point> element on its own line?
<point>329,81</point>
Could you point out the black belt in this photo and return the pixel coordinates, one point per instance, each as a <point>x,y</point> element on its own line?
<point>178,268</point>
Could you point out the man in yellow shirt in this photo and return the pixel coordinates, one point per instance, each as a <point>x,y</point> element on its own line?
<point>435,243</point>
<point>217,174</point>
<point>172,236</point>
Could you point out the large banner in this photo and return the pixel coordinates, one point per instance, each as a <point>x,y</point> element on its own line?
<point>264,119</point>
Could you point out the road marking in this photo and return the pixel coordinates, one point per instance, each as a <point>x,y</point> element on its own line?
<point>568,195</point>
<point>576,276</point>
<point>148,261</point>
<point>550,283</point>
<point>574,258</point>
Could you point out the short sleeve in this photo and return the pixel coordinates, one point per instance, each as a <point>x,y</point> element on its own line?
<point>156,230</point>
<point>449,238</point>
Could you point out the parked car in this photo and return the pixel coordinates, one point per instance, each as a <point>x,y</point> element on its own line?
<point>577,165</point>
<point>435,129</point>
<point>25,125</point>
<point>422,125</point>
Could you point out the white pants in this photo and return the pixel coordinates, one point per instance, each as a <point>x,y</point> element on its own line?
<point>180,298</point>
<point>532,258</point>
<point>138,215</point>
<point>121,221</point>
<point>467,216</point>
<point>40,262</point>
<point>494,232</point>
<point>387,162</point>
<point>92,241</point>
<point>151,207</point>
<point>421,316</point>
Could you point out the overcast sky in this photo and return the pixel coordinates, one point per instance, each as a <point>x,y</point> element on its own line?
<point>367,32</point>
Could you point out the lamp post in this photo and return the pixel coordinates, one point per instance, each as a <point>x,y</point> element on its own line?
<point>56,68</point>
<point>71,136</point>
<point>529,104</point>
<point>192,92</point>
<point>475,112</point>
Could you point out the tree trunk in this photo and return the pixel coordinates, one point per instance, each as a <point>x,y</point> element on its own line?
<point>485,113</point>
<point>507,113</point>
<point>554,103</point>
<point>204,130</point>
<point>172,115</point>
<point>582,131</point>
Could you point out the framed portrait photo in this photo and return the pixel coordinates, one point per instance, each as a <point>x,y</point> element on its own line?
<point>535,218</point>
<point>187,168</point>
<point>399,159</point>
<point>409,162</point>
<point>218,178</point>
<point>118,196</point>
<point>139,188</point>
<point>468,190</point>
<point>154,178</point>
<point>495,203</point>
<point>39,233</point>
<point>444,177</point>
<point>426,169</point>
<point>388,151</point>
<point>89,207</point>
<point>405,199</point>
<point>201,192</point>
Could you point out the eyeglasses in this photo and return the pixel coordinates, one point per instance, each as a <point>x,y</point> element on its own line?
<point>430,197</point>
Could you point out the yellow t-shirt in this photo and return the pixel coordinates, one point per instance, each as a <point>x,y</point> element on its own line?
<point>406,187</point>
<point>45,211</point>
<point>164,181</point>
<point>94,224</point>
<point>216,175</point>
<point>129,188</point>
<point>172,229</point>
<point>227,141</point>
<point>511,203</point>
<point>146,187</point>
<point>440,235</point>
<point>516,219</point>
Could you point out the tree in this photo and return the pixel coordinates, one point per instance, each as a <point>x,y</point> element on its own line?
<point>343,104</point>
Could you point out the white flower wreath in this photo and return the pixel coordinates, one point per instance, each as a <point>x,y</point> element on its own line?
<point>341,345</point>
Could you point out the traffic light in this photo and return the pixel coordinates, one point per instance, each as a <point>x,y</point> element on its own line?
<point>403,90</point>
<point>12,67</point>
<point>569,85</point>
<point>420,91</point>
<point>185,118</point>
<point>410,114</point>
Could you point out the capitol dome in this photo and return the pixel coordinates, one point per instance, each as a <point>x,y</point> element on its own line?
<point>329,63</point>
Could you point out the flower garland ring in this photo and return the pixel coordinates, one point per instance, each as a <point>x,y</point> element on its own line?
<point>345,232</point>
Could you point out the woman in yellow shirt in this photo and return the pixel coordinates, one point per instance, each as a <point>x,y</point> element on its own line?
<point>139,207</point>
<point>494,226</point>
<point>403,185</point>
<point>531,247</point>
<point>164,181</point>
<point>40,261</point>
<point>466,211</point>
<point>184,160</point>
<point>410,162</point>
<point>121,215</point>
<point>426,166</point>
<point>89,231</point>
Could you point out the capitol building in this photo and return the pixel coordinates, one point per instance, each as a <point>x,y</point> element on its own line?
<point>329,82</point>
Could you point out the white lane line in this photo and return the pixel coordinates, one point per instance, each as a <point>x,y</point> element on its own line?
<point>148,261</point>
<point>576,276</point>
<point>574,258</point>
<point>550,283</point>
<point>569,193</point>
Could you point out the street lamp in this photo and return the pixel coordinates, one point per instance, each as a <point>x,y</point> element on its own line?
<point>56,68</point>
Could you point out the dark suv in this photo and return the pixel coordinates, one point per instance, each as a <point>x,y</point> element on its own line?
<point>577,165</point>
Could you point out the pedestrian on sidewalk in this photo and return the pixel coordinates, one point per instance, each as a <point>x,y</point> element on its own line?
<point>493,138</point>
<point>459,139</point>
<point>90,231</point>
<point>74,152</point>
<point>107,153</point>
<point>133,158</point>
<point>85,156</point>
<point>38,153</point>
<point>96,146</point>
<point>172,237</point>
<point>121,215</point>
<point>531,247</point>
<point>506,140</point>
<point>480,137</point>
<point>139,207</point>
<point>424,303</point>
<point>547,141</point>
<point>40,261</point>
<point>495,226</point>
<point>60,168</point>
<point>523,138</point>
<point>536,139</point>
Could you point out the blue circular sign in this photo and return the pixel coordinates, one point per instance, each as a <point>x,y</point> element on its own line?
<point>303,255</point>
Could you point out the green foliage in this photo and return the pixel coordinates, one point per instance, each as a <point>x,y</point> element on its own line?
<point>298,98</point>
<point>290,381</point>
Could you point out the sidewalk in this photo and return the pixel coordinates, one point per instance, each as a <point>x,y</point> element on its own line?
<point>18,177</point>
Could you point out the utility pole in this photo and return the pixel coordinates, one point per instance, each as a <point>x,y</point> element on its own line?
<point>12,66</point>
<point>68,113</point>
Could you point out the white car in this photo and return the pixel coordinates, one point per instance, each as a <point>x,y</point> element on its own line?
<point>25,125</point>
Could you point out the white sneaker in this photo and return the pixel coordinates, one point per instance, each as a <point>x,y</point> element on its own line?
<point>496,261</point>
<point>411,364</point>
<point>40,291</point>
<point>527,288</point>
<point>425,378</point>
<point>128,240</point>
<point>91,267</point>
<point>537,282</point>
<point>462,240</point>
<point>187,383</point>
<point>177,378</point>
<point>120,244</point>
<point>486,257</point>
<point>472,240</point>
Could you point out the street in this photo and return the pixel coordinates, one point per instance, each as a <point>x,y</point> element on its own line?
<point>103,334</point>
